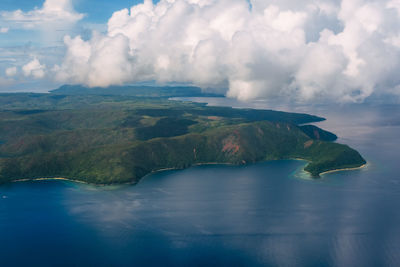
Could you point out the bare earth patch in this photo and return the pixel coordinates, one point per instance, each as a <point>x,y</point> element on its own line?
<point>308,143</point>
<point>214,118</point>
<point>230,145</point>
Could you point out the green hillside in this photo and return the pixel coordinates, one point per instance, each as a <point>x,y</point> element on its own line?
<point>119,139</point>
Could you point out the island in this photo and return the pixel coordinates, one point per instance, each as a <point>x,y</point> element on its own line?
<point>112,138</point>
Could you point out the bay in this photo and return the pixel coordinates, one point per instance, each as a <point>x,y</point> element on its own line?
<point>264,214</point>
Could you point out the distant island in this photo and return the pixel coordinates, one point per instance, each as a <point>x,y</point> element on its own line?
<point>136,90</point>
<point>121,135</point>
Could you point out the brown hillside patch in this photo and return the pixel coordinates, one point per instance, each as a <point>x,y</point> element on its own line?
<point>230,145</point>
<point>308,143</point>
<point>214,118</point>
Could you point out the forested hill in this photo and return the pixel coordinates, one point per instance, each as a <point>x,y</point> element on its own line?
<point>119,139</point>
<point>154,106</point>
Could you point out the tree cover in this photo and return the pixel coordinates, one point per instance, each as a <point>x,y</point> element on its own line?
<point>109,139</point>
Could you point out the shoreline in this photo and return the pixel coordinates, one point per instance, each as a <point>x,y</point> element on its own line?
<point>69,180</point>
<point>345,169</point>
<point>175,169</point>
<point>331,171</point>
<point>194,165</point>
<point>48,179</point>
<point>129,183</point>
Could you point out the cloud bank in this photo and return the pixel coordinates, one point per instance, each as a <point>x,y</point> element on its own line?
<point>300,50</point>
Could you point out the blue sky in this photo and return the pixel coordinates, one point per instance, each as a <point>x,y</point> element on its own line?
<point>98,11</point>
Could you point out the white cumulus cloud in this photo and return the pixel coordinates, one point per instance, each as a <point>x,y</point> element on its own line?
<point>302,50</point>
<point>12,71</point>
<point>52,13</point>
<point>4,29</point>
<point>34,69</point>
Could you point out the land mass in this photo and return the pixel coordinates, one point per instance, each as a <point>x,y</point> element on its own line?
<point>138,91</point>
<point>114,138</point>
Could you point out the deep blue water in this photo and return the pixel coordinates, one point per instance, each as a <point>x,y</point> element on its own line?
<point>261,214</point>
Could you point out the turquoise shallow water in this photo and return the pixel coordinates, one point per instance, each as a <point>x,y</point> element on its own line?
<point>261,214</point>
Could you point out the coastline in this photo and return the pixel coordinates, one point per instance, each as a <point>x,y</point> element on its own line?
<point>175,169</point>
<point>345,169</point>
<point>70,180</point>
<point>327,172</point>
<point>193,165</point>
<point>48,179</point>
<point>129,183</point>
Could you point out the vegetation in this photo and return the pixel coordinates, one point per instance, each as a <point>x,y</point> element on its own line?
<point>119,139</point>
<point>316,133</point>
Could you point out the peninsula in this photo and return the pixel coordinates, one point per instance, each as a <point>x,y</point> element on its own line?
<point>115,138</point>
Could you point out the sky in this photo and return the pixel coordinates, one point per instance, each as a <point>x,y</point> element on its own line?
<point>305,51</point>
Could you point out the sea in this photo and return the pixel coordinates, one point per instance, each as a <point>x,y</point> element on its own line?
<point>264,214</point>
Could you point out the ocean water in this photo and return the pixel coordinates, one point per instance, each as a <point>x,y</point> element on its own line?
<point>264,214</point>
